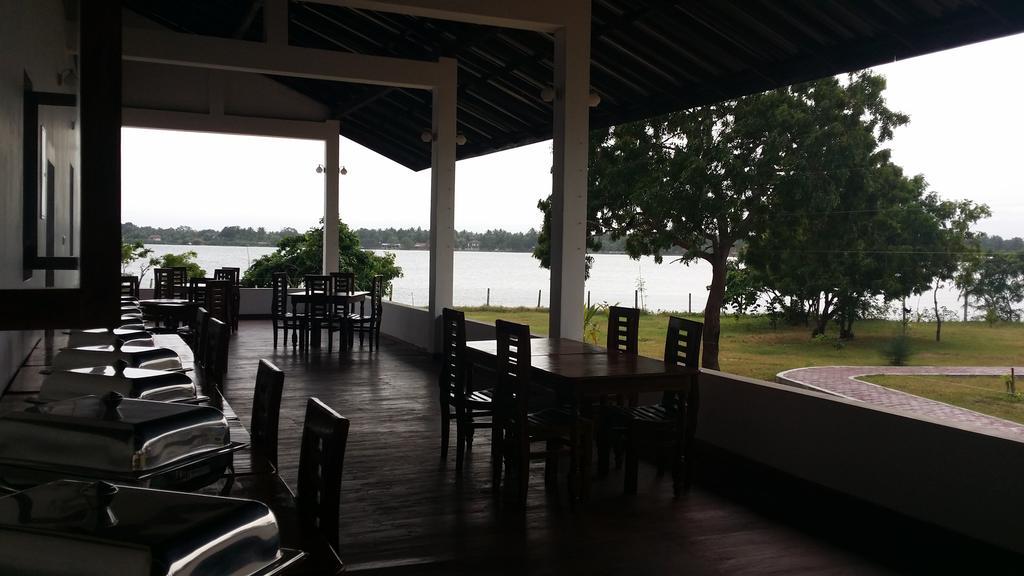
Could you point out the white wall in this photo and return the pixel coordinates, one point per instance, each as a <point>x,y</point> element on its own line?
<point>407,324</point>
<point>964,480</point>
<point>33,40</point>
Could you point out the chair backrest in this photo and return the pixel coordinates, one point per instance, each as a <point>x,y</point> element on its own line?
<point>623,329</point>
<point>513,370</point>
<point>682,342</point>
<point>682,348</point>
<point>377,297</point>
<point>199,329</point>
<point>317,284</point>
<point>453,352</point>
<point>342,283</point>
<point>197,289</point>
<point>266,411</point>
<point>163,283</point>
<point>218,299</point>
<point>279,296</point>
<point>230,274</point>
<point>321,461</point>
<point>216,365</point>
<point>130,286</point>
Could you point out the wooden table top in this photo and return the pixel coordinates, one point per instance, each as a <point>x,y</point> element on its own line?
<point>301,296</point>
<point>539,347</point>
<point>589,369</point>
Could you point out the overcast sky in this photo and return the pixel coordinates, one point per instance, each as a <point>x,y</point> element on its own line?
<point>964,136</point>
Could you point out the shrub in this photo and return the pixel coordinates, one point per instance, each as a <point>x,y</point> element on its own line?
<point>898,350</point>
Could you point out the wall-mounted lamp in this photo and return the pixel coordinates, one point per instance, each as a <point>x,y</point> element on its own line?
<point>320,169</point>
<point>548,93</point>
<point>428,136</point>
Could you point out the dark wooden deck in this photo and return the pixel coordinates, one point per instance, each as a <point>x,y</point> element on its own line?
<point>404,511</point>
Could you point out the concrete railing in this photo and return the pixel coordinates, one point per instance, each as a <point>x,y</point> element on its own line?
<point>961,479</point>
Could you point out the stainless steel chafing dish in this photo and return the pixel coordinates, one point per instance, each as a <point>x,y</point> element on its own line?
<point>138,442</point>
<point>69,528</point>
<point>152,357</point>
<point>159,385</point>
<point>104,337</point>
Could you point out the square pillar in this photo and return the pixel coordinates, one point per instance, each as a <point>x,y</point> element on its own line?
<point>331,214</point>
<point>442,196</point>
<point>569,175</point>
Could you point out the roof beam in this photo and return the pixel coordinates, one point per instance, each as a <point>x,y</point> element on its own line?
<point>222,124</point>
<point>192,50</point>
<point>537,15</point>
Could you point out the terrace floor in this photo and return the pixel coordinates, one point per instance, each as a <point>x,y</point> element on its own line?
<point>404,511</point>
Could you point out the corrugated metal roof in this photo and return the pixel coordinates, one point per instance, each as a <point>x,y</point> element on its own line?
<point>648,57</point>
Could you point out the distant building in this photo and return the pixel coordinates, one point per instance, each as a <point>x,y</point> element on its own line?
<point>387,246</point>
<point>154,238</point>
<point>421,246</point>
<point>473,245</point>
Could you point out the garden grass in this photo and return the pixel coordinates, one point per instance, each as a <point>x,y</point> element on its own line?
<point>985,394</point>
<point>750,346</point>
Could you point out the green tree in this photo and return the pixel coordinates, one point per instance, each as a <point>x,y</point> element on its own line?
<point>302,254</point>
<point>184,260</point>
<point>996,282</point>
<point>133,251</point>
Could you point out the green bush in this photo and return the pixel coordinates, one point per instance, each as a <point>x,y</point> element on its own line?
<point>302,254</point>
<point>184,260</point>
<point>898,350</point>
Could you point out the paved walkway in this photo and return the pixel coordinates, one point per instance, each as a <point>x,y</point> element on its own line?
<point>844,381</point>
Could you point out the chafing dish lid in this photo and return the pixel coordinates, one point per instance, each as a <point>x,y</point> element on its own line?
<point>85,528</point>
<point>135,356</point>
<point>109,433</point>
<point>130,382</point>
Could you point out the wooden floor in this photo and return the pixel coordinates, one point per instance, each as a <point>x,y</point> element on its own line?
<point>404,511</point>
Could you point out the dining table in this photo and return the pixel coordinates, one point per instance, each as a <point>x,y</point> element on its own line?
<point>170,310</point>
<point>580,372</point>
<point>345,299</point>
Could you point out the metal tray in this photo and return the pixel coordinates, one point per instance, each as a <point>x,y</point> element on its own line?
<point>99,528</point>
<point>152,357</point>
<point>159,385</point>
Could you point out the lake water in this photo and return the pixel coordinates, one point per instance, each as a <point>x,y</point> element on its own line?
<point>514,278</point>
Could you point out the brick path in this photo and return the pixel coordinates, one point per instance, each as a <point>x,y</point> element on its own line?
<point>843,381</point>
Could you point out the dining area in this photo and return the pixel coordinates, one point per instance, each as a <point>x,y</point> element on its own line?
<point>119,448</point>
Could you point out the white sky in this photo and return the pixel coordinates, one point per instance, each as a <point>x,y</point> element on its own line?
<point>964,136</point>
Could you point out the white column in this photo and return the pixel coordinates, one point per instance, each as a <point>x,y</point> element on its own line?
<point>331,166</point>
<point>442,195</point>
<point>569,175</point>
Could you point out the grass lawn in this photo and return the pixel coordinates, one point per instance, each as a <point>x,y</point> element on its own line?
<point>751,347</point>
<point>985,394</point>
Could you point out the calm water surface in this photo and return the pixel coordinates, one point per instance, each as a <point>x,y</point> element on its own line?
<point>514,278</point>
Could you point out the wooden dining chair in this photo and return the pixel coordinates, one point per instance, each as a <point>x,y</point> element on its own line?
<point>459,402</point>
<point>193,332</point>
<point>266,412</point>
<point>197,290</point>
<point>163,283</point>
<point>280,317</point>
<point>342,283</point>
<point>670,424</point>
<point>369,324</point>
<point>218,300</point>
<point>130,286</point>
<point>215,366</point>
<point>516,428</point>
<point>318,312</point>
<point>233,275</point>
<point>321,461</point>
<point>623,329</point>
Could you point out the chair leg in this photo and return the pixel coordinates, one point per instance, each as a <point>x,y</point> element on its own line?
<point>603,447</point>
<point>497,441</point>
<point>551,465</point>
<point>460,437</point>
<point>446,421</point>
<point>632,461</point>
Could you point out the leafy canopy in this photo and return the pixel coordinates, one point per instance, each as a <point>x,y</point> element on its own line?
<point>302,254</point>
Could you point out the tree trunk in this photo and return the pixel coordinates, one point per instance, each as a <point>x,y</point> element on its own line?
<point>938,318</point>
<point>824,315</point>
<point>713,310</point>
<point>965,305</point>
